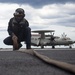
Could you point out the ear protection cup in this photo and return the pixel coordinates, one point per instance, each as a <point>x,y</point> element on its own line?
<point>19,12</point>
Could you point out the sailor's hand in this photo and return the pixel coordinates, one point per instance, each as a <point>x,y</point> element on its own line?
<point>15,42</point>
<point>14,37</point>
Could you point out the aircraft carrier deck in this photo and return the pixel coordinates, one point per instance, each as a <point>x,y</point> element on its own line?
<point>22,63</point>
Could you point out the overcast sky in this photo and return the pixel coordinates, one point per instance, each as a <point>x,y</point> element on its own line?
<point>38,3</point>
<point>58,15</point>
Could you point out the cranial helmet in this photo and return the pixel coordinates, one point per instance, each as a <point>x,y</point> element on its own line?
<point>19,12</point>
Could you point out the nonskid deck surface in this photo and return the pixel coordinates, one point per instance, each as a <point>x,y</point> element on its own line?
<point>19,63</point>
<point>10,49</point>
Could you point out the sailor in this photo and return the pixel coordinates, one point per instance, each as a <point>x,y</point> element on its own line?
<point>19,30</point>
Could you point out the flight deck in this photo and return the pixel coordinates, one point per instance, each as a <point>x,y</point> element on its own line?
<point>21,63</point>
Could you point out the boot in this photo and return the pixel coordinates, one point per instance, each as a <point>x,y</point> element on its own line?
<point>28,46</point>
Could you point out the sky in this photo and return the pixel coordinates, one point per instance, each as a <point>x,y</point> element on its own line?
<point>58,15</point>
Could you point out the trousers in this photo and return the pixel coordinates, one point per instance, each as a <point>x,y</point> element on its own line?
<point>24,35</point>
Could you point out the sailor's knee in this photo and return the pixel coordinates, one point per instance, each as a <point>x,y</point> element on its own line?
<point>29,29</point>
<point>7,41</point>
<point>4,41</point>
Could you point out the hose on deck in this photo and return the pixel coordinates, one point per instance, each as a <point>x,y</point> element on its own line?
<point>63,65</point>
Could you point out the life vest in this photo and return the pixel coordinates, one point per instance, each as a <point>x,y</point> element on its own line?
<point>18,27</point>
